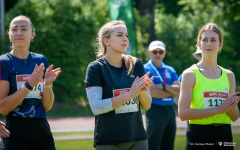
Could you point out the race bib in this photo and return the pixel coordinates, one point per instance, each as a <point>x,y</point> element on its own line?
<point>213,99</point>
<point>37,90</point>
<point>130,106</point>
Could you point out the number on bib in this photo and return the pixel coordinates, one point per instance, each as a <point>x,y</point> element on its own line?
<point>213,99</point>
<point>130,106</point>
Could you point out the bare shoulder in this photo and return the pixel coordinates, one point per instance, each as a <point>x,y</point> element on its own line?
<point>189,72</point>
<point>230,74</point>
<point>188,78</point>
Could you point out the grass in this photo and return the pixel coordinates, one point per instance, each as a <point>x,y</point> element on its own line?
<point>180,142</point>
<point>91,132</point>
<point>74,145</point>
<point>73,133</point>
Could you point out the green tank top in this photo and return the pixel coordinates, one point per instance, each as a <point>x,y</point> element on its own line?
<point>209,93</point>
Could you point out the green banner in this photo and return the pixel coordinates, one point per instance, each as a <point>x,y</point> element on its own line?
<point>122,10</point>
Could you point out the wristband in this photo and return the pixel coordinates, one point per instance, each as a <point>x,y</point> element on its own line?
<point>163,86</point>
<point>48,86</point>
<point>28,86</point>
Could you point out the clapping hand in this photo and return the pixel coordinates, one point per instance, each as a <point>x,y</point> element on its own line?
<point>148,81</point>
<point>141,84</point>
<point>230,102</point>
<point>51,75</point>
<point>37,75</point>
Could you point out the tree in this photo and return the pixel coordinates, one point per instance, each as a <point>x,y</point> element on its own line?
<point>9,4</point>
<point>147,8</point>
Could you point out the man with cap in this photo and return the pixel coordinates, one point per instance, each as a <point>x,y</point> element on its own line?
<point>160,118</point>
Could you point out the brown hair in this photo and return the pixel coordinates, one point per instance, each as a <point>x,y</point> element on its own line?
<point>105,32</point>
<point>210,27</point>
<point>25,18</point>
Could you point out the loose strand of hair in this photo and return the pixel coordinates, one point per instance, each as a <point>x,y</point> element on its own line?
<point>130,62</point>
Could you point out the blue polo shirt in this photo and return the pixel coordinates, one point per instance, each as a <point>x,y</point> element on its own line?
<point>169,77</point>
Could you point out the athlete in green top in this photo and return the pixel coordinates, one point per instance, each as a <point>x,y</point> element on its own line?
<point>207,97</point>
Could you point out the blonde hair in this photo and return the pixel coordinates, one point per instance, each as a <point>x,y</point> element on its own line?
<point>210,27</point>
<point>105,32</point>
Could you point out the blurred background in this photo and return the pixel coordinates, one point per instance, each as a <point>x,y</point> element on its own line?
<point>66,31</point>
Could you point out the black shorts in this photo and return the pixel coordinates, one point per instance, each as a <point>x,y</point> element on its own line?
<point>209,137</point>
<point>28,134</point>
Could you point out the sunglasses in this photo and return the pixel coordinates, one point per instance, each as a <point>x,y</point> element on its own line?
<point>159,52</point>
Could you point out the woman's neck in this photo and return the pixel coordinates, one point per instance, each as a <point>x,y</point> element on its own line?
<point>114,59</point>
<point>209,63</point>
<point>19,53</point>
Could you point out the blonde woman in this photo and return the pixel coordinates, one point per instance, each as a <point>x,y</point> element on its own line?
<point>116,88</point>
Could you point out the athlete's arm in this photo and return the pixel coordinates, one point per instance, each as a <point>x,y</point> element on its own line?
<point>234,112</point>
<point>97,104</point>
<point>145,99</point>
<point>48,96</point>
<point>9,102</point>
<point>184,110</point>
<point>101,106</point>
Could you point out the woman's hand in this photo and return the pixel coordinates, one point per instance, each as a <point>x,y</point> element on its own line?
<point>230,102</point>
<point>3,131</point>
<point>51,75</point>
<point>136,87</point>
<point>37,75</point>
<point>148,81</point>
<point>140,84</point>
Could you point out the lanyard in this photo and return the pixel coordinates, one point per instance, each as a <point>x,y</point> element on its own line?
<point>164,72</point>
